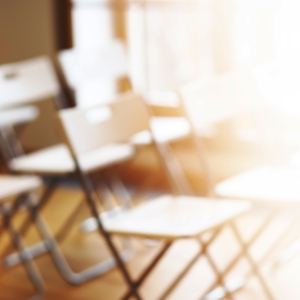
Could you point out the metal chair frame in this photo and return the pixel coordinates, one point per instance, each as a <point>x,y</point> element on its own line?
<point>40,72</point>
<point>7,212</point>
<point>134,285</point>
<point>271,79</point>
<point>114,54</point>
<point>50,243</point>
<point>220,290</point>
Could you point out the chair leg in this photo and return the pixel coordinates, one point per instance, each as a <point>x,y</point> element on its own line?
<point>291,252</point>
<point>101,186</point>
<point>103,192</point>
<point>288,255</point>
<point>202,251</point>
<point>124,197</point>
<point>176,177</point>
<point>220,277</point>
<point>94,211</point>
<point>254,267</point>
<point>119,188</point>
<point>43,201</point>
<point>25,256</point>
<point>40,248</point>
<point>62,264</point>
<point>136,284</point>
<point>204,161</point>
<point>28,222</point>
<point>26,259</point>
<point>187,268</point>
<point>50,245</point>
<point>278,241</point>
<point>215,291</point>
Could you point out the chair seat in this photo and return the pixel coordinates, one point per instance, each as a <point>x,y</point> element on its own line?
<point>172,218</point>
<point>58,160</point>
<point>14,185</point>
<point>52,160</point>
<point>18,115</point>
<point>164,129</point>
<point>267,183</point>
<point>105,156</point>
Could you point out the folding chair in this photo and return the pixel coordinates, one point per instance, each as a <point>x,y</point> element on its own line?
<point>212,100</point>
<point>167,218</point>
<point>278,87</point>
<point>94,76</point>
<point>8,117</point>
<point>30,82</point>
<point>14,192</point>
<point>33,82</point>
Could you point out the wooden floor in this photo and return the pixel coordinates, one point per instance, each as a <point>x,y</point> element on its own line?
<point>83,250</point>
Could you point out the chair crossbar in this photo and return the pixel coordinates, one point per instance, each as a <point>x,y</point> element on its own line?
<point>244,253</point>
<point>18,243</point>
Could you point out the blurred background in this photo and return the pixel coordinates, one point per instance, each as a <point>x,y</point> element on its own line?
<point>159,47</point>
<point>167,42</point>
<point>183,39</point>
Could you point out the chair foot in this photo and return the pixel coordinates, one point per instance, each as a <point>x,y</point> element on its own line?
<point>96,270</point>
<point>33,251</point>
<point>221,291</point>
<point>70,276</point>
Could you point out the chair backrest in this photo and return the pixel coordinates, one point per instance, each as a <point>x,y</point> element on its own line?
<point>93,72</point>
<point>27,81</point>
<point>89,128</point>
<point>32,82</point>
<point>278,86</point>
<point>235,95</point>
<point>211,100</point>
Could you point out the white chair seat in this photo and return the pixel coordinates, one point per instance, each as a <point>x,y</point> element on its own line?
<point>164,130</point>
<point>18,115</point>
<point>169,218</point>
<point>277,183</point>
<point>168,129</point>
<point>52,160</point>
<point>105,156</point>
<point>58,160</point>
<point>15,185</point>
